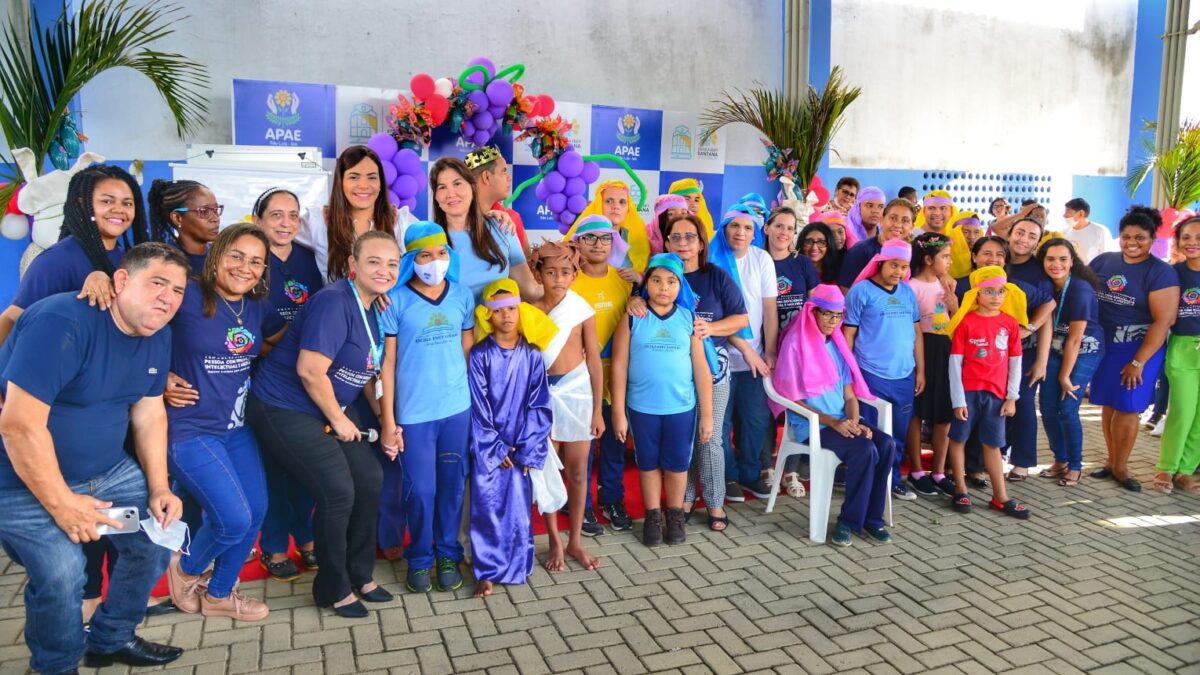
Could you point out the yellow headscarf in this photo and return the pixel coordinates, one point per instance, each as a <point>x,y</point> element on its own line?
<point>533,323</point>
<point>632,229</point>
<point>690,186</point>
<point>1014,299</point>
<point>960,251</point>
<point>936,194</point>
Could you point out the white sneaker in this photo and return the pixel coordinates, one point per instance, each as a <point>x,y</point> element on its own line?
<point>793,485</point>
<point>1157,431</point>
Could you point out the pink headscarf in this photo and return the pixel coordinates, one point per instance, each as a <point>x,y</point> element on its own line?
<point>828,217</point>
<point>804,369</point>
<point>661,204</point>
<point>893,249</point>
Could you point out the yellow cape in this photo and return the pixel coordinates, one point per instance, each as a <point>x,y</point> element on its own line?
<point>533,323</point>
<point>632,228</point>
<point>960,252</point>
<point>691,186</point>
<point>1014,300</point>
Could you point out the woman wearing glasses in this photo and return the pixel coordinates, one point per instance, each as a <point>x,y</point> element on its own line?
<point>224,323</point>
<point>184,213</point>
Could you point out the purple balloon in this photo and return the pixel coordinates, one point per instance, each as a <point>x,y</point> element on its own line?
<point>408,162</point>
<point>590,172</point>
<point>566,218</point>
<point>541,191</point>
<point>484,120</point>
<point>389,173</point>
<point>468,129</point>
<point>479,98</point>
<point>497,112</point>
<point>564,228</point>
<point>422,179</point>
<point>555,182</point>
<point>481,137</point>
<point>383,144</point>
<point>577,203</point>
<point>485,62</point>
<point>575,186</point>
<point>393,198</point>
<point>499,92</point>
<point>405,187</point>
<point>557,202</point>
<point>570,163</point>
<point>411,203</point>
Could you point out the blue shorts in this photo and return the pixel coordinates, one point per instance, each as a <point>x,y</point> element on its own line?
<point>983,413</point>
<point>663,441</point>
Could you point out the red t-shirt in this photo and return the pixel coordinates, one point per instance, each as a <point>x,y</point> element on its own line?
<point>520,224</point>
<point>986,343</point>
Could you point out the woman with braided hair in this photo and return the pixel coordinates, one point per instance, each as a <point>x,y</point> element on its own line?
<point>185,214</point>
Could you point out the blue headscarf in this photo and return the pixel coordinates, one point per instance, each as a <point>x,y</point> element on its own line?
<point>416,237</point>
<point>757,204</point>
<point>721,254</point>
<point>686,299</point>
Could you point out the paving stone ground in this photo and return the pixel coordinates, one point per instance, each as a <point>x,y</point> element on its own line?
<point>1100,580</point>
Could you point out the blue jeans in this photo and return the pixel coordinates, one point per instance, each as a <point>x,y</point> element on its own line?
<point>1021,433</point>
<point>224,474</point>
<point>289,510</point>
<point>747,420</point>
<point>434,480</point>
<point>900,394</point>
<point>53,624</point>
<point>1061,417</point>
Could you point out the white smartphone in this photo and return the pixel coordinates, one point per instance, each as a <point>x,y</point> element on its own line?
<point>127,516</point>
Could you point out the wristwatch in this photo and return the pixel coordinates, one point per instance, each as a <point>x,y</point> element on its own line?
<point>1135,363</point>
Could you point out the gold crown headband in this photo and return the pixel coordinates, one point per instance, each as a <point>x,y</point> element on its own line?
<point>482,157</point>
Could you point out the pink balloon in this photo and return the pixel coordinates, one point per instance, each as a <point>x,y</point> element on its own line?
<point>383,144</point>
<point>591,171</point>
<point>570,163</point>
<point>405,187</point>
<point>407,162</point>
<point>421,86</point>
<point>577,203</point>
<point>557,202</point>
<point>575,186</point>
<point>555,182</point>
<point>389,173</point>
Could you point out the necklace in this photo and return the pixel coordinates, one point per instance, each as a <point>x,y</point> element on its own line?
<point>238,314</point>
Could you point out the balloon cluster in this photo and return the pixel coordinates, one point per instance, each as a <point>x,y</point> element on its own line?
<point>434,93</point>
<point>488,97</point>
<point>402,172</point>
<point>563,187</point>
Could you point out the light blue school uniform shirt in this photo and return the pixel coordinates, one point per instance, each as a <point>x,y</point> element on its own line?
<point>832,402</point>
<point>660,363</point>
<point>474,272</point>
<point>885,342</point>
<point>431,371</point>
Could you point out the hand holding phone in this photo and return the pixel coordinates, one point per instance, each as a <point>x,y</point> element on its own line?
<point>127,516</point>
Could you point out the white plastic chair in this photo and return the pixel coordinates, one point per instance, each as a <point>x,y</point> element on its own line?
<point>822,463</point>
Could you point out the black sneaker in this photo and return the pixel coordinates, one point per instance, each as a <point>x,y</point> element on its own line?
<point>899,491</point>
<point>946,486</point>
<point>733,491</point>
<point>592,526</point>
<point>923,486</point>
<point>758,488</point>
<point>448,576</point>
<point>617,517</point>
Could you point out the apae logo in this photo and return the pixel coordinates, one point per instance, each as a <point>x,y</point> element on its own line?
<point>681,142</point>
<point>283,108</point>
<point>628,126</point>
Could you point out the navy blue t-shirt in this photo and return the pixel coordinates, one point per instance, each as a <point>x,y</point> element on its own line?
<point>58,269</point>
<point>331,324</point>
<point>856,259</point>
<point>1030,271</point>
<point>73,358</point>
<point>1125,293</point>
<point>796,276</point>
<point>716,296</point>
<point>1078,303</point>
<point>214,355</point>
<point>293,282</point>
<point>1188,322</point>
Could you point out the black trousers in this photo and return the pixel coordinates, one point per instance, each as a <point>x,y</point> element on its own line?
<point>345,479</point>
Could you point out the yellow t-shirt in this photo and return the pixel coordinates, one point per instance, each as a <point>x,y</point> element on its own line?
<point>608,296</point>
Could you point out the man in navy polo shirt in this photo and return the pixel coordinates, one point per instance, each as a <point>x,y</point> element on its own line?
<point>75,380</point>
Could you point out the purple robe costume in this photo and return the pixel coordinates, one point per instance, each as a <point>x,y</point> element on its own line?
<point>510,413</point>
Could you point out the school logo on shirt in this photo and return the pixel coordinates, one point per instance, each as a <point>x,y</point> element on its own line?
<point>663,333</point>
<point>1117,283</point>
<point>436,320</point>
<point>1191,296</point>
<point>628,126</point>
<point>239,340</point>
<point>295,291</point>
<point>784,285</point>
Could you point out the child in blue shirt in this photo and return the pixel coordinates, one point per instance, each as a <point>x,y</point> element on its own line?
<point>659,376</point>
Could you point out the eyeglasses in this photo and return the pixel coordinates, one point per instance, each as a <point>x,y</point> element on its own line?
<point>845,192</point>
<point>680,237</point>
<point>818,243</point>
<point>993,292</point>
<point>236,259</point>
<point>203,211</point>
<point>593,239</point>
<point>827,315</point>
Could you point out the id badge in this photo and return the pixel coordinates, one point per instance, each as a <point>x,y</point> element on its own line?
<point>378,389</point>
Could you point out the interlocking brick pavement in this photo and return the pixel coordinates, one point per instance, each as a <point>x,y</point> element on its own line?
<point>1100,580</point>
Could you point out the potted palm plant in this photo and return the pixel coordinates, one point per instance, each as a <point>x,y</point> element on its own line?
<point>1178,168</point>
<point>797,128</point>
<point>41,73</point>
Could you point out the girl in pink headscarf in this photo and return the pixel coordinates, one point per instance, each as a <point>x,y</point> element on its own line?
<point>666,208</point>
<point>818,371</point>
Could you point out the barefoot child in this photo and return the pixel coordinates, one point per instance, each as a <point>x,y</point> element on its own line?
<point>576,388</point>
<point>661,376</point>
<point>510,426</point>
<point>985,380</point>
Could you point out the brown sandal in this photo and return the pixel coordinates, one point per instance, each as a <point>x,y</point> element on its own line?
<point>1054,471</point>
<point>1163,483</point>
<point>1014,477</point>
<point>1066,481</point>
<point>1185,483</point>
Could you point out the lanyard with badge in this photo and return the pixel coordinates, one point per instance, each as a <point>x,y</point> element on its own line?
<point>375,357</point>
<point>1057,341</point>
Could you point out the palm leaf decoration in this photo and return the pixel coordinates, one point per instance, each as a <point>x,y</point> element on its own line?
<point>1178,169</point>
<point>798,128</point>
<point>41,73</point>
